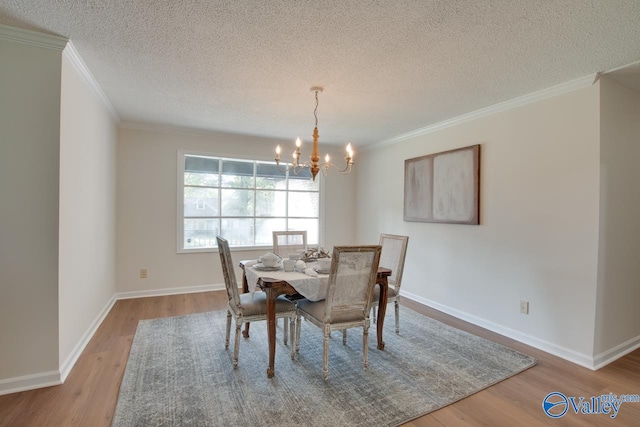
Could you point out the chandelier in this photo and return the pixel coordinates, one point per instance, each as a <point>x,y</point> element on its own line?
<point>313,163</point>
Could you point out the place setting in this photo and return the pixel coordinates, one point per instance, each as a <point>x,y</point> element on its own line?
<point>268,262</point>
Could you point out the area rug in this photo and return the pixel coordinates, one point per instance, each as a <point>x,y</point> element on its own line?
<point>179,374</point>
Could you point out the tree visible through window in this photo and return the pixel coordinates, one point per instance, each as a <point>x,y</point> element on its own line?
<point>244,201</point>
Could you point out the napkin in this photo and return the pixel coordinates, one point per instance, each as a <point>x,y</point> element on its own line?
<point>310,272</point>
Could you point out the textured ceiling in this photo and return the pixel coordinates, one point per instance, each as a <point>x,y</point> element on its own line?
<point>388,67</point>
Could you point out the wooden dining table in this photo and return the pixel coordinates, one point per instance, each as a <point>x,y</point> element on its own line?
<point>275,287</point>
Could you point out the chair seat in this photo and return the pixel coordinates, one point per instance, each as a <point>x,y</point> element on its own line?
<point>391,293</point>
<point>256,304</point>
<point>316,310</point>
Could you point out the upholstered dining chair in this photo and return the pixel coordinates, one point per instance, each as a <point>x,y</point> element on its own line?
<point>394,251</point>
<point>348,301</point>
<point>250,307</point>
<point>288,242</point>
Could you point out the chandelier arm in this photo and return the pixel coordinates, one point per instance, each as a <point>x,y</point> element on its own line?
<point>295,169</point>
<point>325,167</point>
<point>347,169</point>
<point>286,169</point>
<point>294,166</point>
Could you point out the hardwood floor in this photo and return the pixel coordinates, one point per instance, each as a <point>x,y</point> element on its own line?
<point>88,396</point>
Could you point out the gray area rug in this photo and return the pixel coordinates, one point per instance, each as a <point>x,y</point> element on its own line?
<point>179,374</point>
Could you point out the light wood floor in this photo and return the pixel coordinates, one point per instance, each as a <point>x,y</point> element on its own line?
<point>89,395</point>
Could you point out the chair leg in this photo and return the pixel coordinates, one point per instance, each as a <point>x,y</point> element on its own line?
<point>286,329</point>
<point>325,356</point>
<point>292,329</point>
<point>397,317</point>
<point>374,314</point>
<point>344,337</point>
<point>226,338</point>
<point>298,326</point>
<point>365,346</point>
<point>236,345</point>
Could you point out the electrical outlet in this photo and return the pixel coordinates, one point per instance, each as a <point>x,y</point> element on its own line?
<point>524,307</point>
<point>143,273</point>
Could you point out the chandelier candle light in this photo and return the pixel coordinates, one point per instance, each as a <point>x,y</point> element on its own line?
<point>313,165</point>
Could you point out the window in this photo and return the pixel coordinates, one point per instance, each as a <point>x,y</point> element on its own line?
<point>243,201</point>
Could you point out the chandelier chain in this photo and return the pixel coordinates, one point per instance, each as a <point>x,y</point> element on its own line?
<point>315,110</point>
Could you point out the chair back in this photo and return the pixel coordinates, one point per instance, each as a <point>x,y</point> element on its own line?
<point>351,281</point>
<point>228,271</point>
<point>288,242</point>
<point>394,251</point>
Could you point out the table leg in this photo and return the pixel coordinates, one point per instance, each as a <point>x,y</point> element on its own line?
<point>245,285</point>
<point>245,289</point>
<point>382,309</point>
<point>271,329</point>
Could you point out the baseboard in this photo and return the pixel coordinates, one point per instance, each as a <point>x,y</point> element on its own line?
<point>168,291</point>
<point>30,382</point>
<point>554,349</point>
<point>71,360</point>
<point>616,352</point>
<point>52,378</point>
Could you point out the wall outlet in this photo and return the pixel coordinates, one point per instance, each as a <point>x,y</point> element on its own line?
<point>143,273</point>
<point>524,307</point>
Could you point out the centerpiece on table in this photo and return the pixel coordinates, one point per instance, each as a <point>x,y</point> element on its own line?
<point>312,254</point>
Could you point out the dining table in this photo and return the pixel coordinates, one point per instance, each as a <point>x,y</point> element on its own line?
<point>299,285</point>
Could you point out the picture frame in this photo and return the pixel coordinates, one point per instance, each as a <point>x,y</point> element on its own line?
<point>443,187</point>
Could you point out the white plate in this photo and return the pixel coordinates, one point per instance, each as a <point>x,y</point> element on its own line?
<point>261,267</point>
<point>319,271</point>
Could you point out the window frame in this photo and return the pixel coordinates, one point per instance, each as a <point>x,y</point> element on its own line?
<point>180,201</point>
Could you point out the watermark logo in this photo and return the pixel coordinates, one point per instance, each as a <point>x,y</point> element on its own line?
<point>556,404</point>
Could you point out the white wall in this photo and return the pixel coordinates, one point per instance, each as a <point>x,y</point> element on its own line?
<point>87,245</point>
<point>538,237</point>
<point>29,169</point>
<point>147,206</point>
<point>618,316</point>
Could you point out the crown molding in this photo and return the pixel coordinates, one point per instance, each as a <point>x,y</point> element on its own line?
<point>166,128</point>
<point>182,130</point>
<point>73,56</point>
<point>540,95</point>
<point>63,44</point>
<point>634,64</point>
<point>33,38</point>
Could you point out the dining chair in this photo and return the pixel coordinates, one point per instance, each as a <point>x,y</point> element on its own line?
<point>250,307</point>
<point>348,301</point>
<point>394,251</point>
<point>288,242</point>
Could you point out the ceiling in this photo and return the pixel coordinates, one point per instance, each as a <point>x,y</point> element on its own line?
<point>387,67</point>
